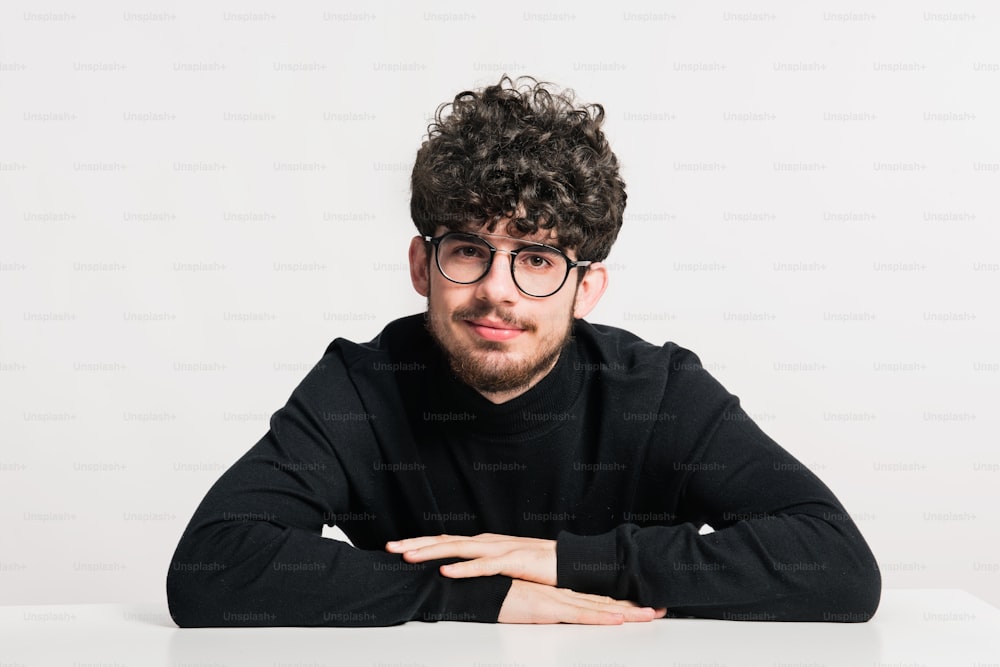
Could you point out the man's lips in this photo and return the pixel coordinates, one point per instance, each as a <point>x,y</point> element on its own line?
<point>494,330</point>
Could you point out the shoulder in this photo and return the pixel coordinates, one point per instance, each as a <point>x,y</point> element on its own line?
<point>623,350</point>
<point>399,339</point>
<point>631,366</point>
<point>344,361</point>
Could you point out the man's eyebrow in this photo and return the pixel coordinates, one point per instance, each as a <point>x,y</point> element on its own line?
<point>551,244</point>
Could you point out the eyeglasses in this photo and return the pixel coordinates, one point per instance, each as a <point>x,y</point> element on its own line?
<point>537,269</point>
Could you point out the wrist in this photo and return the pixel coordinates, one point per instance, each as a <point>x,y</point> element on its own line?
<point>477,599</point>
<point>588,563</point>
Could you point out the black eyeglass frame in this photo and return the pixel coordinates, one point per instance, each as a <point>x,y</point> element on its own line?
<point>570,264</point>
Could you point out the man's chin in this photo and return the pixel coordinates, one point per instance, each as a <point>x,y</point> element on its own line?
<point>494,383</point>
<point>500,371</point>
<point>487,368</point>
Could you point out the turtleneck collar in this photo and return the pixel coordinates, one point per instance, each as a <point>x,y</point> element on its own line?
<point>543,407</point>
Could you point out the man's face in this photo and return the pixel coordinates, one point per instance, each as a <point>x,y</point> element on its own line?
<point>499,340</point>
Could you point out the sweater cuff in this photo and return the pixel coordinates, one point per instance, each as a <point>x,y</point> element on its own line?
<point>476,599</point>
<point>588,564</point>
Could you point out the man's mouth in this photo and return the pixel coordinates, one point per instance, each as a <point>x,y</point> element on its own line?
<point>496,330</point>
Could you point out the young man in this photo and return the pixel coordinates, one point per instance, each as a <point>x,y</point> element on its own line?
<point>498,458</point>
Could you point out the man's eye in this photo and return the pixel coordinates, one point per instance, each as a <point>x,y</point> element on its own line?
<point>536,261</point>
<point>468,252</point>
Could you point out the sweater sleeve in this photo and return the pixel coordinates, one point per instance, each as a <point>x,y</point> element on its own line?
<point>783,547</point>
<point>253,553</point>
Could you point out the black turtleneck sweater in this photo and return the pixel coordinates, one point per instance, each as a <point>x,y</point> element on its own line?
<point>621,454</point>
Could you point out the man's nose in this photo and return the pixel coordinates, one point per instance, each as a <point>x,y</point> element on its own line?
<point>498,286</point>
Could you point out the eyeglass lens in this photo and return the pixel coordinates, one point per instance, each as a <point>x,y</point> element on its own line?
<point>538,270</point>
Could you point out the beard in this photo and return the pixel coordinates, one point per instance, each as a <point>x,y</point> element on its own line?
<point>482,364</point>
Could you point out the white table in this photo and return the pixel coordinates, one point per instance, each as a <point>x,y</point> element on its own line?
<point>913,627</point>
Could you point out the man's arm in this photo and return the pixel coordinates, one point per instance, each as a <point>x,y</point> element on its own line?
<point>784,548</point>
<point>253,553</point>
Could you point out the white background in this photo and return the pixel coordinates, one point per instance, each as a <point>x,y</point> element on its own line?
<point>197,197</point>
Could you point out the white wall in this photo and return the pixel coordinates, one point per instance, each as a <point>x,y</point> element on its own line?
<point>812,208</point>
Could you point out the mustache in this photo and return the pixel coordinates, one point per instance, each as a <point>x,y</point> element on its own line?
<point>484,311</point>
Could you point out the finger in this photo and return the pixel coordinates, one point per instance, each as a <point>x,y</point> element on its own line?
<point>481,567</point>
<point>399,546</point>
<point>628,613</point>
<point>639,614</point>
<point>630,610</point>
<point>466,549</point>
<point>411,543</point>
<point>600,599</point>
<point>587,616</point>
<point>560,610</point>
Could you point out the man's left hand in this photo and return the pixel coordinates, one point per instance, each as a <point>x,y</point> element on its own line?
<point>484,555</point>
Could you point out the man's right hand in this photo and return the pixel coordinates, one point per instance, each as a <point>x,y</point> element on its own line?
<point>530,602</point>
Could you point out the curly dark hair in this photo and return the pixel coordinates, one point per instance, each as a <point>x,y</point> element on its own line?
<point>518,148</point>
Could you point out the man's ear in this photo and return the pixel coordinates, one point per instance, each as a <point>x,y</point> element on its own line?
<point>419,265</point>
<point>590,289</point>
